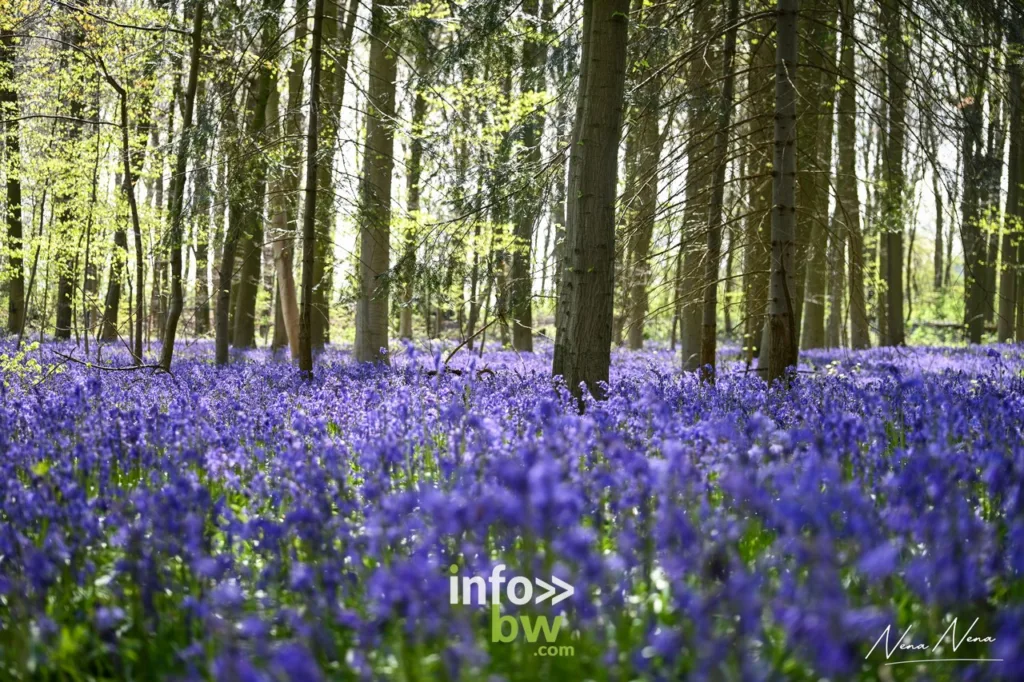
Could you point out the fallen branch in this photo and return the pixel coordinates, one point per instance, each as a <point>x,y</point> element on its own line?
<point>107,368</point>
<point>461,345</point>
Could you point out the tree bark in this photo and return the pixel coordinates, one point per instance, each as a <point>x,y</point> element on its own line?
<point>588,287</point>
<point>558,362</point>
<point>893,209</point>
<point>848,198</point>
<point>757,226</point>
<point>642,184</point>
<point>309,211</point>
<point>1011,229</point>
<point>201,221</point>
<point>703,117</point>
<point>709,327</point>
<point>529,203</point>
<point>9,112</point>
<point>375,189</point>
<point>414,169</point>
<point>782,283</point>
<point>813,182</point>
<point>178,189</point>
<point>250,244</point>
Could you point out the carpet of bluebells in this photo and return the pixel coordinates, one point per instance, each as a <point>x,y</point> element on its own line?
<point>242,524</point>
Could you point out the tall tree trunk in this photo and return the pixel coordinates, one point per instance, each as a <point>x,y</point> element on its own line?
<point>814,181</point>
<point>574,165</point>
<point>931,140</point>
<point>375,189</point>
<point>643,178</point>
<point>893,204</point>
<point>757,226</point>
<point>64,203</point>
<point>332,94</point>
<point>9,113</point>
<point>178,188</point>
<point>309,211</point>
<point>250,245</point>
<point>201,220</point>
<point>529,202</point>
<point>414,169</point>
<point>782,284</point>
<point>1011,229</point>
<point>709,327</point>
<point>588,288</point>
<point>974,244</point>
<point>703,118</point>
<point>285,201</point>
<point>848,198</point>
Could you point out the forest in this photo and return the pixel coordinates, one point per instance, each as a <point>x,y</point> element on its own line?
<point>511,340</point>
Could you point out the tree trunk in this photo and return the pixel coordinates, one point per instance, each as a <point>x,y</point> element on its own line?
<point>178,189</point>
<point>414,169</point>
<point>931,140</point>
<point>1011,228</point>
<point>529,202</point>
<point>703,119</point>
<point>9,113</point>
<point>709,327</point>
<point>201,221</point>
<point>893,208</point>
<point>559,359</point>
<point>64,202</point>
<point>782,283</point>
<point>643,178</point>
<point>375,189</point>
<point>588,288</point>
<point>814,180</point>
<point>309,211</point>
<point>250,246</point>
<point>284,202</point>
<point>974,244</point>
<point>757,226</point>
<point>848,198</point>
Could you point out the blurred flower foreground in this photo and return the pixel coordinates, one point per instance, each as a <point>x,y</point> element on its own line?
<point>244,524</point>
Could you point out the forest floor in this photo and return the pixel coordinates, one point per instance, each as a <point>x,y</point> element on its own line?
<point>242,523</point>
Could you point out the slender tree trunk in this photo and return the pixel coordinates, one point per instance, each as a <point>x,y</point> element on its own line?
<point>529,202</point>
<point>309,211</point>
<point>9,113</point>
<point>757,226</point>
<point>250,244</point>
<point>201,224</point>
<point>1011,229</point>
<point>933,146</point>
<point>178,189</point>
<point>588,287</point>
<point>893,203</point>
<point>848,218</point>
<point>782,284</point>
<point>560,355</point>
<point>375,189</point>
<point>414,169</point>
<point>64,202</point>
<point>814,180</point>
<point>285,201</point>
<point>234,168</point>
<point>709,333</point>
<point>703,120</point>
<point>643,176</point>
<point>286,307</point>
<point>974,243</point>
